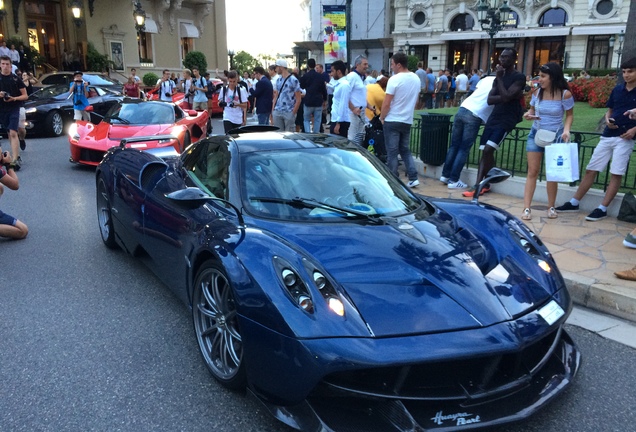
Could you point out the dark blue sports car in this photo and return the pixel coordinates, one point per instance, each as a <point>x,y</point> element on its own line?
<point>338,297</point>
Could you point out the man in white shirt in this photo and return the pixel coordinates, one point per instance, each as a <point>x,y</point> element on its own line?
<point>357,99</point>
<point>402,92</point>
<point>341,91</point>
<point>165,86</point>
<point>461,84</point>
<point>4,50</point>
<point>466,123</point>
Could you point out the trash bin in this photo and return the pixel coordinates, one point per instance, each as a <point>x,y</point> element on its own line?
<point>434,136</point>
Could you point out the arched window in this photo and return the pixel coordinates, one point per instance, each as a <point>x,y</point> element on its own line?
<point>553,17</point>
<point>462,22</point>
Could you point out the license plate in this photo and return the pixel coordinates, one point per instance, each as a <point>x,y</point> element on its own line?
<point>551,312</point>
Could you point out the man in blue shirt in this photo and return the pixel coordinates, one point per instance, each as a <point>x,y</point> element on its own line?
<point>430,88</point>
<point>263,92</point>
<point>472,82</point>
<point>616,143</point>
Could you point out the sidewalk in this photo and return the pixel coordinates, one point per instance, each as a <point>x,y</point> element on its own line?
<point>587,253</point>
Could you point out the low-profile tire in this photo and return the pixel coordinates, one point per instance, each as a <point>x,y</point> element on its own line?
<point>216,326</point>
<point>105,216</point>
<point>54,123</point>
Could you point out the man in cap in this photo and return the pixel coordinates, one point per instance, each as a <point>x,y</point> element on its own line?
<point>287,97</point>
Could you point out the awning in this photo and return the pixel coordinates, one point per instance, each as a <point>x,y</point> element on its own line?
<point>507,34</point>
<point>151,26</point>
<point>598,30</point>
<point>189,31</point>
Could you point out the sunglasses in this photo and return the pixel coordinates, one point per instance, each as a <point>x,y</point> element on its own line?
<point>544,69</point>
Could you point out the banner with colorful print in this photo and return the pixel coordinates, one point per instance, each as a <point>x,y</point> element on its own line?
<point>334,26</point>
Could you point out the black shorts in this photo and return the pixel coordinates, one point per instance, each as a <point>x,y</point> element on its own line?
<point>493,136</point>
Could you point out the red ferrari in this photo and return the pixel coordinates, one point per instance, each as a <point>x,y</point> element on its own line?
<point>131,118</point>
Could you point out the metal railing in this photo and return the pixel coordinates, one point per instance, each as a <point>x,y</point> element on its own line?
<point>512,155</point>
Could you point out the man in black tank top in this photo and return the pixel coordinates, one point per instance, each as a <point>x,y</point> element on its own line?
<point>506,94</point>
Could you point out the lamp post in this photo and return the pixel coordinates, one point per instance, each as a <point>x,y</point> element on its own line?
<point>492,19</point>
<point>3,11</point>
<point>76,10</point>
<point>140,24</point>
<point>408,49</point>
<point>231,54</point>
<point>619,51</point>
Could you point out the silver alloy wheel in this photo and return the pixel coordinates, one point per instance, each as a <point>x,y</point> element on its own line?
<point>104,215</point>
<point>216,326</point>
<point>57,124</point>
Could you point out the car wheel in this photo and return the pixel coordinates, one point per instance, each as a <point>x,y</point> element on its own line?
<point>54,123</point>
<point>104,215</point>
<point>216,326</point>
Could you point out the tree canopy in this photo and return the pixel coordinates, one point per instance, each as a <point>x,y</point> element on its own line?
<point>244,61</point>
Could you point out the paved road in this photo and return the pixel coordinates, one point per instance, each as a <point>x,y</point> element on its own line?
<point>91,340</point>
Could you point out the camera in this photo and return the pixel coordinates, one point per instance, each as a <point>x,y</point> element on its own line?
<point>6,97</point>
<point>222,104</point>
<point>231,104</point>
<point>78,81</point>
<point>168,94</point>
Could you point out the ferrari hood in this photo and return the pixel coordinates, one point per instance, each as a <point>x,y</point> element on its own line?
<point>426,276</point>
<point>122,131</point>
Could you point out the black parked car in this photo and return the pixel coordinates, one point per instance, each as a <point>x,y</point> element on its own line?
<point>93,78</point>
<point>48,109</point>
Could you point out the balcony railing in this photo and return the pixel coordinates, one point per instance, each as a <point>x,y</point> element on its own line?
<point>512,155</point>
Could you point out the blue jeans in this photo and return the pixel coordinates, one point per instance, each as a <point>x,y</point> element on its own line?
<point>465,130</point>
<point>263,119</point>
<point>396,138</point>
<point>317,113</point>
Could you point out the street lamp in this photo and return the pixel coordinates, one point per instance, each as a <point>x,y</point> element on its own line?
<point>76,9</point>
<point>231,54</point>
<point>140,24</point>
<point>408,49</point>
<point>492,19</point>
<point>619,51</point>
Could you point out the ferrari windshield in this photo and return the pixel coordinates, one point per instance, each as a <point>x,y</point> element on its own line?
<point>142,113</point>
<point>282,184</point>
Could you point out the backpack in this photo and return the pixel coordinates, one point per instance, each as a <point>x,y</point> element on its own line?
<point>211,89</point>
<point>238,88</point>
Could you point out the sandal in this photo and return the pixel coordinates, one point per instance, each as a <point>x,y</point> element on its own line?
<point>527,215</point>
<point>552,213</point>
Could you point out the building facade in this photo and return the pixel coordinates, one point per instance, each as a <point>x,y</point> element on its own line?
<point>447,33</point>
<point>172,29</point>
<point>573,33</point>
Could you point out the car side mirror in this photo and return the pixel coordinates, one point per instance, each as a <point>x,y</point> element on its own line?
<point>495,175</point>
<point>89,108</point>
<point>190,197</point>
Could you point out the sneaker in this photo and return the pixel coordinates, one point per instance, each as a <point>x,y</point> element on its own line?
<point>567,207</point>
<point>18,164</point>
<point>627,274</point>
<point>552,214</point>
<point>457,185</point>
<point>444,180</point>
<point>471,192</point>
<point>597,214</point>
<point>527,214</point>
<point>630,241</point>
<point>22,144</point>
<point>413,183</point>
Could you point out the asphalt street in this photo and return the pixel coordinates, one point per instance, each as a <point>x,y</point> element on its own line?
<point>91,340</point>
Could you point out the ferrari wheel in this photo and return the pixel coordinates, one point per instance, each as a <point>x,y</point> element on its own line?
<point>216,326</point>
<point>104,215</point>
<point>54,123</point>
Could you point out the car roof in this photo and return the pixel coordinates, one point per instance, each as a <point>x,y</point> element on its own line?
<point>248,142</point>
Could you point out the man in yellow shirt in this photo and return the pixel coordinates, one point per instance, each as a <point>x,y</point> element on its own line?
<point>375,96</point>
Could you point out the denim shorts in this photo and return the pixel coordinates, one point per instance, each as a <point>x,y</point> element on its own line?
<point>5,219</point>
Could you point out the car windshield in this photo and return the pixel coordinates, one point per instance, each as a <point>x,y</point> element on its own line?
<point>321,184</point>
<point>57,92</point>
<point>100,80</point>
<point>143,113</point>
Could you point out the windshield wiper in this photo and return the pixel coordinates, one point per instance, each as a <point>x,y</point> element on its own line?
<point>299,202</point>
<point>114,117</point>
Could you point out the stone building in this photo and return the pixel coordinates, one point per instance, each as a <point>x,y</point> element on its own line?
<point>172,28</point>
<point>447,33</point>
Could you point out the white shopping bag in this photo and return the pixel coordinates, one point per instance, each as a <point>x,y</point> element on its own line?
<point>562,162</point>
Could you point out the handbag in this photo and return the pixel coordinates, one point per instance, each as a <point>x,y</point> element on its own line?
<point>562,162</point>
<point>627,212</point>
<point>544,137</point>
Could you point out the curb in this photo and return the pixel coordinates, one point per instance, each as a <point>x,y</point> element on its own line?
<point>610,299</point>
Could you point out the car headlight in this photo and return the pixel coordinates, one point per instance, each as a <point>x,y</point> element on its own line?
<point>533,246</point>
<point>30,110</point>
<point>72,132</point>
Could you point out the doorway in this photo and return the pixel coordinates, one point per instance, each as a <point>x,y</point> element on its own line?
<point>43,21</point>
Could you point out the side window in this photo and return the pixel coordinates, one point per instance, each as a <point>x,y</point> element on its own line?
<point>209,167</point>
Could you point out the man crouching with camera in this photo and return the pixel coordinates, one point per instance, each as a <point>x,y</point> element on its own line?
<point>9,226</point>
<point>12,94</point>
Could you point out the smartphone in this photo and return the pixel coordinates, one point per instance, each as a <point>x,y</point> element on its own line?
<point>611,120</point>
